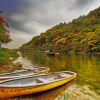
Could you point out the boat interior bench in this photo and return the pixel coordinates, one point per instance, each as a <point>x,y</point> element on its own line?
<point>42,80</point>
<point>60,76</point>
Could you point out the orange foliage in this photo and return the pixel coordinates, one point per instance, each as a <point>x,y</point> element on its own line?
<point>1,19</point>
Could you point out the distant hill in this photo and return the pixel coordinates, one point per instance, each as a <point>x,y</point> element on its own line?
<point>82,34</point>
<point>4,32</point>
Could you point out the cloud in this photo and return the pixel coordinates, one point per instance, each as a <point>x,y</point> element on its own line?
<point>19,38</point>
<point>81,3</point>
<point>46,13</point>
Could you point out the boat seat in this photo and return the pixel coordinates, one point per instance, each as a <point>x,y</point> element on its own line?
<point>59,77</point>
<point>42,80</point>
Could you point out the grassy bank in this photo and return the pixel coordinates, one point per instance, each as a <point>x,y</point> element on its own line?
<point>7,56</point>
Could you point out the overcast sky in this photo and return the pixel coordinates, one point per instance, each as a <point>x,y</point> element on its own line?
<point>28,18</point>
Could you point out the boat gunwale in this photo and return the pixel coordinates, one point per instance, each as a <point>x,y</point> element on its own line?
<point>39,84</point>
<point>3,75</point>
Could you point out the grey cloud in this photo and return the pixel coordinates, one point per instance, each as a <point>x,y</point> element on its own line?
<point>79,4</point>
<point>19,38</point>
<point>46,13</point>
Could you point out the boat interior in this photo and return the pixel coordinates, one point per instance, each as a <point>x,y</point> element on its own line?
<point>37,80</point>
<point>22,72</point>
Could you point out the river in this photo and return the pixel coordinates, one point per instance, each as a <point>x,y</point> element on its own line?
<point>85,87</point>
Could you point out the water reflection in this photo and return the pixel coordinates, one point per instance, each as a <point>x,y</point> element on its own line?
<point>86,66</point>
<point>26,64</point>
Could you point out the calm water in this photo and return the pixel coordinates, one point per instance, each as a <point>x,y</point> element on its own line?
<point>85,87</point>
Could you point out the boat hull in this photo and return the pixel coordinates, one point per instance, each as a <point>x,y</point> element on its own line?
<point>6,92</point>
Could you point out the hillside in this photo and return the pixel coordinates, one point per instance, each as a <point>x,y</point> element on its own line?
<point>6,55</point>
<point>82,34</point>
<point>4,32</point>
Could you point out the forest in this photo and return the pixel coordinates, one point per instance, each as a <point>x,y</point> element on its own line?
<point>80,35</point>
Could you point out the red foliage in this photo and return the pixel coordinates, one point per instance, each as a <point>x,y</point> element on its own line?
<point>66,46</point>
<point>1,19</point>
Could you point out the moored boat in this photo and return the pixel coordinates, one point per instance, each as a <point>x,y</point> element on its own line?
<point>30,84</point>
<point>23,73</point>
<point>52,53</point>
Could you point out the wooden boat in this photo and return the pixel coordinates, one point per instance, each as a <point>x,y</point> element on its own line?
<point>23,73</point>
<point>30,85</point>
<point>52,53</point>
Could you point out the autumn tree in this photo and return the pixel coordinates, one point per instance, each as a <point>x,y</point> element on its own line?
<point>4,32</point>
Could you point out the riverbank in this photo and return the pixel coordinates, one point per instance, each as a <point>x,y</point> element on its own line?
<point>7,56</point>
<point>10,67</point>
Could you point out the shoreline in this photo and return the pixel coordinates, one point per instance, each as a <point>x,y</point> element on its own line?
<point>10,67</point>
<point>7,57</point>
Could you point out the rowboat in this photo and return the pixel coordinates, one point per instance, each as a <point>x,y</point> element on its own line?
<point>31,85</point>
<point>23,73</point>
<point>52,53</point>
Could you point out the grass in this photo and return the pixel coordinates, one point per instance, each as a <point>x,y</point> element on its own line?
<point>7,56</point>
<point>1,29</point>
